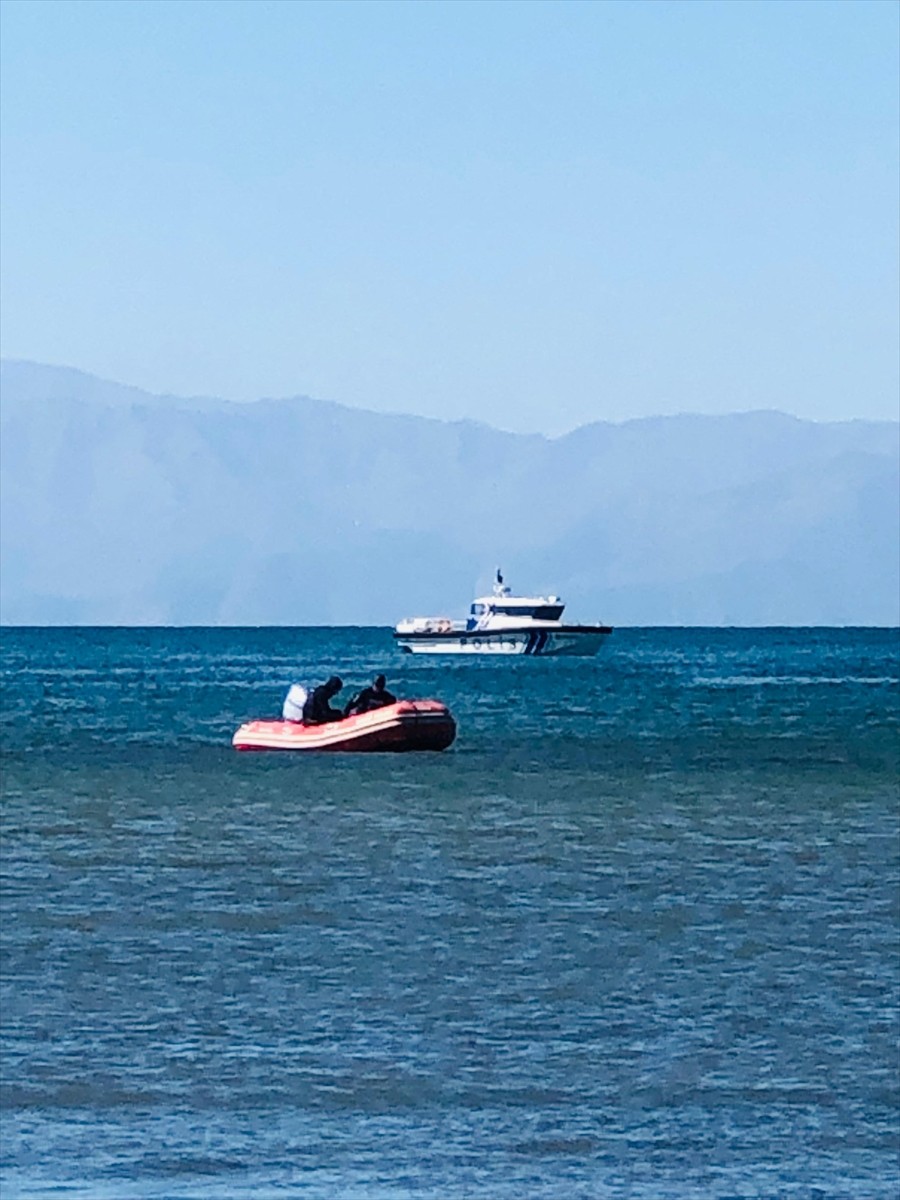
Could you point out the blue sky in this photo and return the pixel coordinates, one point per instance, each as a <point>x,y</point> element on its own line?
<point>534,215</point>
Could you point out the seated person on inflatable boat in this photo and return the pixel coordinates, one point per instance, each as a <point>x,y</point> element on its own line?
<point>376,696</point>
<point>317,710</point>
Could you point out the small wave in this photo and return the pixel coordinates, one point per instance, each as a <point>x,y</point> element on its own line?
<point>795,680</point>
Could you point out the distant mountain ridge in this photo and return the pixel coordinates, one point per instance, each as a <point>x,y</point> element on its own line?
<point>121,507</point>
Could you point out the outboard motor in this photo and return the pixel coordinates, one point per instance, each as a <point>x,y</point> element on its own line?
<point>292,709</point>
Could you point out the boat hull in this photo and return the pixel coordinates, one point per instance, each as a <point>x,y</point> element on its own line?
<point>577,640</point>
<point>407,725</point>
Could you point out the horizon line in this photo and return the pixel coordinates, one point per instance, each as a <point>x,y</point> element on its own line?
<point>5,625</point>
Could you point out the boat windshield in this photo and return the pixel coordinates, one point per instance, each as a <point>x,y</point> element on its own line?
<point>541,612</point>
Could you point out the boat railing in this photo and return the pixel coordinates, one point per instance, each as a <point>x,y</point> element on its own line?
<point>432,625</point>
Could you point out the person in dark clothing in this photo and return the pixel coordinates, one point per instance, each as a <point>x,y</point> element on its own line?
<point>376,696</point>
<point>317,710</point>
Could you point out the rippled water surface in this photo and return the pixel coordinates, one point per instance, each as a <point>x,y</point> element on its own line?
<point>634,935</point>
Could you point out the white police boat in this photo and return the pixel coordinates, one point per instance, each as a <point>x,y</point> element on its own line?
<point>502,624</point>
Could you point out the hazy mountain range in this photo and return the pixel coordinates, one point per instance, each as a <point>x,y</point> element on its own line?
<point>121,507</point>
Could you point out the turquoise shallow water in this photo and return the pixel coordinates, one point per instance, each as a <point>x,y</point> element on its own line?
<point>635,935</point>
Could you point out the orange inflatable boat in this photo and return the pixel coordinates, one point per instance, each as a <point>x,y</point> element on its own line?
<point>406,725</point>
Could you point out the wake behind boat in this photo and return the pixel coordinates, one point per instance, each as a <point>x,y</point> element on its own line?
<point>503,623</point>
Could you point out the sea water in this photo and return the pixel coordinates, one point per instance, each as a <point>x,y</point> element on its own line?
<point>634,935</point>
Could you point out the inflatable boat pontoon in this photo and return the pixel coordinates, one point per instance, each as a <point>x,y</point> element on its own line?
<point>406,725</point>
